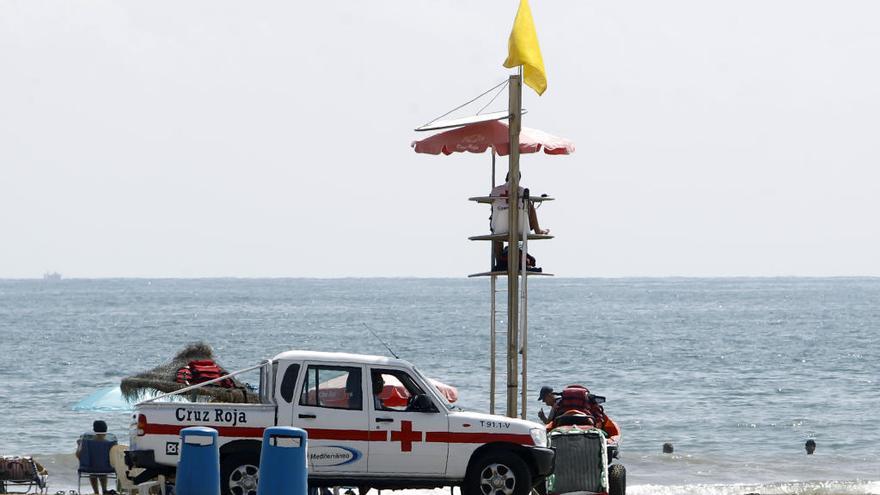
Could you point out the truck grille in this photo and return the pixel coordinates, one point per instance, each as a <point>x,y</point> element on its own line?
<point>579,463</point>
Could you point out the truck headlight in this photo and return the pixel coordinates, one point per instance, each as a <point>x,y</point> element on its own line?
<point>539,436</point>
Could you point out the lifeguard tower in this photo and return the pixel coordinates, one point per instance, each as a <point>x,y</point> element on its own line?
<point>502,134</point>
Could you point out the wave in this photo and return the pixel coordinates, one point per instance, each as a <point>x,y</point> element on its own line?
<point>858,487</point>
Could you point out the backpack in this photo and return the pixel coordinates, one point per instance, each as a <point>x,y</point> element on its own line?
<point>574,398</point>
<point>204,370</point>
<point>201,371</point>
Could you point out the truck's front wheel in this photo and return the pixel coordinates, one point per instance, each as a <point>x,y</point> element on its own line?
<point>239,474</point>
<point>498,473</point>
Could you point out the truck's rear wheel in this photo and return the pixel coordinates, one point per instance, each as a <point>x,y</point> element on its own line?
<point>498,473</point>
<point>239,474</point>
<point>616,479</point>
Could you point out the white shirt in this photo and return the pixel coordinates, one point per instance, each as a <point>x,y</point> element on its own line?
<point>501,192</point>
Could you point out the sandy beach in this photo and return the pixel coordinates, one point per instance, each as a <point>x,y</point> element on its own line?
<point>62,476</point>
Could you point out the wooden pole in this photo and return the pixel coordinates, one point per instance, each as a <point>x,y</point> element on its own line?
<point>492,327</point>
<point>515,108</point>
<point>492,334</point>
<point>524,312</point>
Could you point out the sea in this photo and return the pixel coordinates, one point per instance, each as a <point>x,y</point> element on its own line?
<point>735,373</point>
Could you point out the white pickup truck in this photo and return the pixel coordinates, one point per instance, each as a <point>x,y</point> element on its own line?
<point>372,422</point>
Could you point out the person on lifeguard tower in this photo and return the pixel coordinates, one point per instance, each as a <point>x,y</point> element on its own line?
<point>499,223</point>
<point>501,205</point>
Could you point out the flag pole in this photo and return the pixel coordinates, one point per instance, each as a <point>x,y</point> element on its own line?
<point>513,233</point>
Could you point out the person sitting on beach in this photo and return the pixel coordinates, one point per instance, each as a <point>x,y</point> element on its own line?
<point>99,434</point>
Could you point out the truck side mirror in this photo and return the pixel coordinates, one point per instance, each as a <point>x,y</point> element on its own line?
<point>421,403</point>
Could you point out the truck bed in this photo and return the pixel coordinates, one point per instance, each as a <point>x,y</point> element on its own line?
<point>158,428</point>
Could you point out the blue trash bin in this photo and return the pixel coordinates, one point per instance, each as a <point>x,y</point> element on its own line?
<point>283,469</point>
<point>198,472</point>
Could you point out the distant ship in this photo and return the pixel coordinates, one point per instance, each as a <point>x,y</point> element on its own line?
<point>51,276</point>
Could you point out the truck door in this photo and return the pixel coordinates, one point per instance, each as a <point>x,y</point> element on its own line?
<point>415,429</point>
<point>332,409</point>
<point>285,392</point>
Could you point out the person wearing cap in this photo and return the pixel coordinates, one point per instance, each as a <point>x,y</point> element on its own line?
<point>99,431</point>
<point>548,397</point>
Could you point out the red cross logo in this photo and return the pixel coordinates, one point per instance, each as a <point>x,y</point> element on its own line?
<point>406,436</point>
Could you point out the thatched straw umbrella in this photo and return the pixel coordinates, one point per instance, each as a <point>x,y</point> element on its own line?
<point>162,379</point>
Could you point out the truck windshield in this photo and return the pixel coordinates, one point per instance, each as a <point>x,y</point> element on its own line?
<point>437,393</point>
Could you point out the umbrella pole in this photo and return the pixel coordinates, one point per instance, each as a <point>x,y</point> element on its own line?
<point>513,260</point>
<point>493,169</point>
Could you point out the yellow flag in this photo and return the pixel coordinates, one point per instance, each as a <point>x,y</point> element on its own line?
<point>523,49</point>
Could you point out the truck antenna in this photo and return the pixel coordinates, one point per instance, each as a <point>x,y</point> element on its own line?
<point>379,339</point>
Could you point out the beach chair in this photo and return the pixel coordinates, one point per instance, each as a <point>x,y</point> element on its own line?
<point>22,474</point>
<point>124,475</point>
<point>94,458</point>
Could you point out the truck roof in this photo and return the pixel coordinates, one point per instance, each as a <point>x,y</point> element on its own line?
<point>296,355</point>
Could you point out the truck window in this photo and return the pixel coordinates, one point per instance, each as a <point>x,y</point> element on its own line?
<point>392,389</point>
<point>288,383</point>
<point>335,387</point>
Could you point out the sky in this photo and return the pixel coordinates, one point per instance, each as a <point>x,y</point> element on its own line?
<point>224,138</point>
